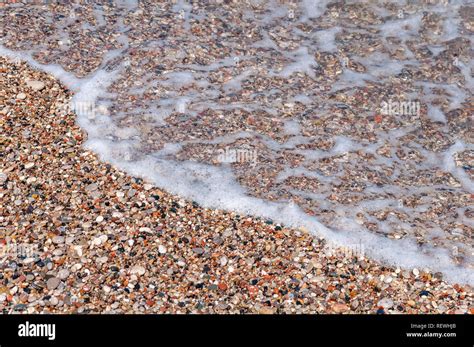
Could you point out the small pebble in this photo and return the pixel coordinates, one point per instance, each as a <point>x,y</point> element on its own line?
<point>58,239</point>
<point>137,269</point>
<point>161,249</point>
<point>223,260</point>
<point>340,308</point>
<point>53,283</point>
<point>63,274</point>
<point>198,250</point>
<point>385,303</point>
<point>91,187</point>
<point>35,85</point>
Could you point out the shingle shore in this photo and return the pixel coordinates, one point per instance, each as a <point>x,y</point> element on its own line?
<point>357,112</point>
<point>78,235</point>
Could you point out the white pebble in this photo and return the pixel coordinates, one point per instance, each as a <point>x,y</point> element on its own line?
<point>137,269</point>
<point>162,249</point>
<point>223,260</point>
<point>28,260</point>
<point>102,260</point>
<point>96,241</point>
<point>78,250</point>
<point>35,85</point>
<point>3,177</point>
<point>58,239</point>
<point>63,274</point>
<point>76,267</point>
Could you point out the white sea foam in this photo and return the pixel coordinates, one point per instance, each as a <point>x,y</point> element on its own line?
<point>326,39</point>
<point>314,8</point>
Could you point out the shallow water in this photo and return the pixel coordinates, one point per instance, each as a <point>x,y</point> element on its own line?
<point>353,122</point>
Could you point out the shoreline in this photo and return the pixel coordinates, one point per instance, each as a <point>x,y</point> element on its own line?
<point>404,253</point>
<point>112,243</point>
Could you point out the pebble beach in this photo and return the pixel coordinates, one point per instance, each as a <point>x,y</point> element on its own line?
<point>106,242</point>
<point>143,142</point>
